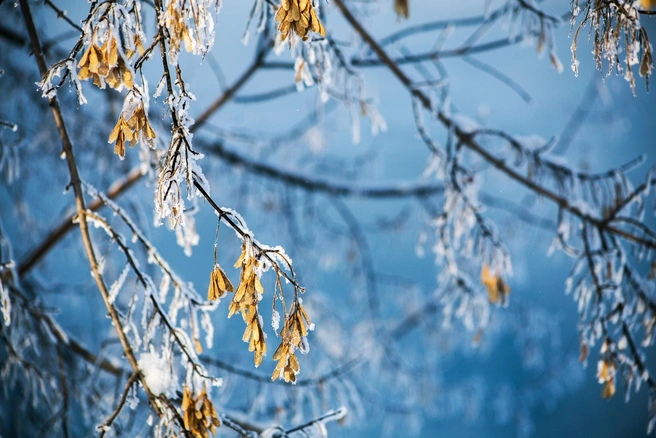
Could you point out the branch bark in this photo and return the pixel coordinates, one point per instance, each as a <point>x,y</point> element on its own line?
<point>80,206</point>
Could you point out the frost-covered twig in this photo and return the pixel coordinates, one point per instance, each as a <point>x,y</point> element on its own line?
<point>81,208</point>
<point>121,402</point>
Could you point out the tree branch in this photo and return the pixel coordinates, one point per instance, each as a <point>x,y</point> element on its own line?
<point>76,184</point>
<point>105,426</point>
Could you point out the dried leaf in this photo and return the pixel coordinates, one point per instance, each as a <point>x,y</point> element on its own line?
<point>584,352</point>
<point>609,389</point>
<point>401,8</point>
<point>495,286</point>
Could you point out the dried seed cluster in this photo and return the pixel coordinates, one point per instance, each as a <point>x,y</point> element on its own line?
<point>299,17</point>
<point>606,369</point>
<point>496,288</point>
<point>105,65</point>
<point>177,28</point>
<point>198,414</point>
<point>219,284</point>
<point>401,8</point>
<point>245,300</point>
<point>293,337</point>
<point>131,129</point>
<point>617,37</point>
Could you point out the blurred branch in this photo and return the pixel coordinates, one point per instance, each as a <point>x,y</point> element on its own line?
<point>400,190</point>
<point>422,57</point>
<point>105,426</point>
<point>437,25</point>
<point>578,117</point>
<point>502,77</point>
<point>468,138</point>
<point>58,232</point>
<point>314,381</point>
<point>229,93</point>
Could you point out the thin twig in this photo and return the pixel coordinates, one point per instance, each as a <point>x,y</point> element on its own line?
<point>105,426</point>
<point>76,184</point>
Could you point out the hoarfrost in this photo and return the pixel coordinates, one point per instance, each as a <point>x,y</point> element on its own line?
<point>465,123</point>
<point>5,304</point>
<point>157,371</point>
<point>118,284</point>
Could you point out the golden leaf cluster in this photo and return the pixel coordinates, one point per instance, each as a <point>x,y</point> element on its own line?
<point>245,300</point>
<point>606,375</point>
<point>292,336</point>
<point>219,284</point>
<point>299,17</point>
<point>198,414</point>
<point>105,63</point>
<point>496,288</point>
<point>129,130</point>
<point>401,8</point>
<point>647,4</point>
<point>177,28</point>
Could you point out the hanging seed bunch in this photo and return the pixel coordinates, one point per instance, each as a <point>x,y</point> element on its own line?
<point>299,17</point>
<point>177,28</point>
<point>105,65</point>
<point>246,299</point>
<point>606,370</point>
<point>132,125</point>
<point>496,288</point>
<point>617,36</point>
<point>198,414</point>
<point>219,284</point>
<point>293,337</point>
<point>401,8</point>
<point>191,25</point>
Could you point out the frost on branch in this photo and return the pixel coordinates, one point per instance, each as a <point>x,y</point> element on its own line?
<point>190,23</point>
<point>112,35</point>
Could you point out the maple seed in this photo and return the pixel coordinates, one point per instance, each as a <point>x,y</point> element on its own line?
<point>584,352</point>
<point>245,300</point>
<point>104,64</point>
<point>497,289</point>
<point>219,284</point>
<point>177,28</point>
<point>129,130</point>
<point>401,8</point>
<point>299,17</point>
<point>292,336</point>
<point>647,4</point>
<point>198,414</point>
<point>606,374</point>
